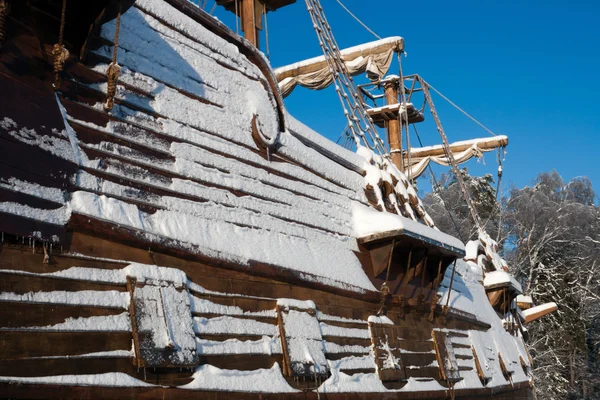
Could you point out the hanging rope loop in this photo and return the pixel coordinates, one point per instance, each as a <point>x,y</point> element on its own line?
<point>501,155</point>
<point>59,51</point>
<point>113,71</point>
<point>4,9</point>
<point>385,289</point>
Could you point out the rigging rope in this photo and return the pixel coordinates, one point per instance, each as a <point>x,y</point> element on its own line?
<point>113,71</point>
<point>267,32</point>
<point>237,22</point>
<point>385,290</point>
<point>461,110</point>
<point>359,122</point>
<point>358,20</point>
<point>461,183</point>
<point>500,158</point>
<point>60,53</point>
<point>447,306</point>
<point>4,9</point>
<point>437,187</point>
<point>404,119</point>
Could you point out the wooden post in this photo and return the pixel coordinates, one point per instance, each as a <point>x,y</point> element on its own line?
<point>251,20</point>
<point>393,125</point>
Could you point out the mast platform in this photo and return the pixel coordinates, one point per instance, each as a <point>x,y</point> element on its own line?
<point>270,5</point>
<point>381,115</point>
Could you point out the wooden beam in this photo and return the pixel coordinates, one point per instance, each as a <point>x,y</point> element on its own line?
<point>438,150</point>
<point>349,54</point>
<point>249,25</point>
<point>539,311</point>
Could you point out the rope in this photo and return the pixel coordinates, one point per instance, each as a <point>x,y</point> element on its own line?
<point>461,183</point>
<point>113,71</point>
<point>4,9</point>
<point>359,122</point>
<point>237,22</point>
<point>436,187</point>
<point>385,290</point>
<point>461,110</point>
<point>267,32</point>
<point>436,285</point>
<point>60,53</point>
<point>404,122</point>
<point>358,20</point>
<point>500,156</point>
<point>450,288</point>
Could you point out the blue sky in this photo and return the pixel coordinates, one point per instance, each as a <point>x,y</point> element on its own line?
<point>526,69</point>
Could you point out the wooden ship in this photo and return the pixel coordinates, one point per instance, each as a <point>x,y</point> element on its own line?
<point>170,231</point>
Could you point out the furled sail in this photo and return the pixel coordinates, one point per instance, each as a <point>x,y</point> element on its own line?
<point>374,58</point>
<point>462,151</point>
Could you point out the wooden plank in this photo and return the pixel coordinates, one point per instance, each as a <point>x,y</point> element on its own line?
<point>24,227</point>
<point>243,362</point>
<point>347,341</point>
<point>125,244</point>
<point>25,314</point>
<point>31,367</point>
<point>480,368</point>
<point>20,283</point>
<point>13,196</point>
<point>24,344</point>
<point>84,73</point>
<point>424,372</point>
<point>521,391</point>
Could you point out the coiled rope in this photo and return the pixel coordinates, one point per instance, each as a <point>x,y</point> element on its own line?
<point>59,51</point>
<point>4,9</point>
<point>113,70</point>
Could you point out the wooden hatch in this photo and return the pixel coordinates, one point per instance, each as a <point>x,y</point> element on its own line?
<point>385,339</point>
<point>301,340</point>
<point>445,356</point>
<point>161,318</point>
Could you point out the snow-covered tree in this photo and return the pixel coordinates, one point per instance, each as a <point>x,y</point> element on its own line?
<point>554,249</point>
<point>551,237</point>
<point>449,210</point>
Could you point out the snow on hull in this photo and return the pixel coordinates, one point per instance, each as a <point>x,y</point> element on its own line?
<point>111,379</point>
<point>180,164</point>
<point>208,377</point>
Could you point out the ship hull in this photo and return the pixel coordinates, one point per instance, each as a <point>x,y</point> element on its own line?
<point>76,286</point>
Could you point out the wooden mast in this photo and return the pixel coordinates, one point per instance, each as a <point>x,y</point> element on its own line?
<point>393,125</point>
<point>250,13</point>
<point>251,20</point>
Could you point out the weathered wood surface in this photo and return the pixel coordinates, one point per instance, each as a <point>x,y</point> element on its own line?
<point>25,344</point>
<point>519,392</point>
<point>438,150</point>
<point>89,241</point>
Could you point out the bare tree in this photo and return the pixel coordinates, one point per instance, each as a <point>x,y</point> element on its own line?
<point>553,246</point>
<point>551,238</point>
